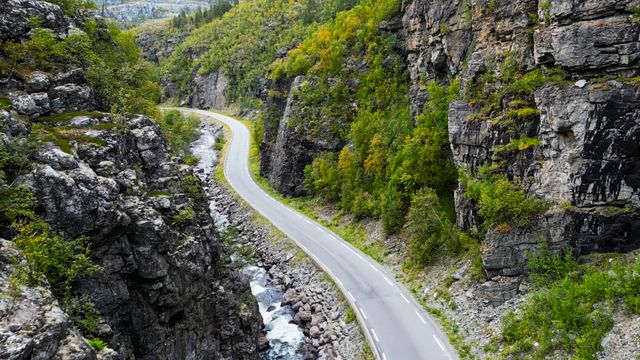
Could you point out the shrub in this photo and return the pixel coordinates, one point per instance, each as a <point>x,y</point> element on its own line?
<point>97,344</point>
<point>546,267</point>
<point>179,130</point>
<point>184,217</point>
<point>574,312</point>
<point>192,187</point>
<point>83,314</point>
<point>51,256</point>
<point>430,230</point>
<point>502,201</point>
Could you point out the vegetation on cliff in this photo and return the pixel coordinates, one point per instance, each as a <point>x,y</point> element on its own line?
<point>245,40</point>
<point>123,82</point>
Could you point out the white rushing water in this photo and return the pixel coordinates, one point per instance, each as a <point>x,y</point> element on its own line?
<point>285,339</point>
<point>203,148</point>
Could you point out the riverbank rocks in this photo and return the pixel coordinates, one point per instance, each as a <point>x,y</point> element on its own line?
<point>318,307</point>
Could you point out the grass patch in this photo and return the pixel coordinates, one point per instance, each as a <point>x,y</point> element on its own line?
<point>516,146</point>
<point>97,344</point>
<point>68,115</point>
<point>184,217</point>
<point>156,193</point>
<point>62,137</point>
<point>5,103</point>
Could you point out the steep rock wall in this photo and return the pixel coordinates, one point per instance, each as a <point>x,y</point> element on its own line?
<point>589,128</point>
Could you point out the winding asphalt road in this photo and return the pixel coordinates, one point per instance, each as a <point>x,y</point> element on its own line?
<point>395,325</point>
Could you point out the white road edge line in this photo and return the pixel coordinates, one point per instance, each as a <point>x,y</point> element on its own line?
<point>363,314</point>
<point>374,268</point>
<point>338,281</point>
<point>405,299</point>
<point>438,341</point>
<point>389,281</point>
<point>383,356</point>
<point>376,336</point>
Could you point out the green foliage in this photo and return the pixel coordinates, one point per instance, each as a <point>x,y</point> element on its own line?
<point>516,145</point>
<point>546,267</point>
<point>201,17</point>
<point>467,15</point>
<point>322,177</point>
<point>51,256</point>
<point>390,160</point>
<point>574,313</point>
<point>192,187</point>
<point>500,200</point>
<point>63,136</point>
<point>244,41</point>
<point>185,216</point>
<point>191,160</point>
<point>636,14</point>
<point>44,51</point>
<point>97,344</point>
<point>124,83</point>
<point>5,104</point>
<point>430,229</point>
<point>83,314</point>
<point>509,83</point>
<point>16,201</point>
<point>180,130</point>
<point>351,316</point>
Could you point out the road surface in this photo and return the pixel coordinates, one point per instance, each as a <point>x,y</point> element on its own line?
<point>395,325</point>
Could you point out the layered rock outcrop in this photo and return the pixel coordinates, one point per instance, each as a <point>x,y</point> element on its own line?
<point>586,163</point>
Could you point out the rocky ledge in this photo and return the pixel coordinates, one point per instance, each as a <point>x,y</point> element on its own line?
<point>164,289</point>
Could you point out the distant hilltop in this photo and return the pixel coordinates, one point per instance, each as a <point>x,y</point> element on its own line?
<point>135,12</point>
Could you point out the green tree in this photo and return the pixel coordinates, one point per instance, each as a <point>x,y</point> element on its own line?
<point>430,231</point>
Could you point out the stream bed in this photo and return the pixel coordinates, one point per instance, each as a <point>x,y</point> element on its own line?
<point>285,338</point>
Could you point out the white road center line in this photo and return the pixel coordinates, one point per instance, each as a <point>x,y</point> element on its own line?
<point>421,319</point>
<point>363,314</point>
<point>438,341</point>
<point>376,336</point>
<point>405,299</point>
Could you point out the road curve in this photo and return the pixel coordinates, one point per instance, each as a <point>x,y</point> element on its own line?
<point>395,325</point>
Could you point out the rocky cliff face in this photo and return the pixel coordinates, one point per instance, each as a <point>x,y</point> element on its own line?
<point>158,42</point>
<point>290,141</point>
<point>165,288</point>
<point>548,98</point>
<point>587,162</point>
